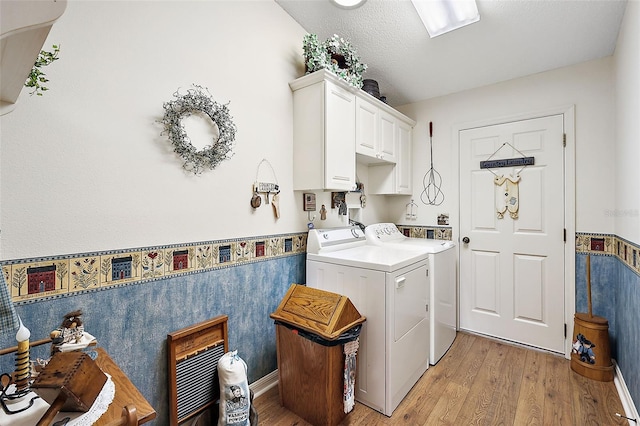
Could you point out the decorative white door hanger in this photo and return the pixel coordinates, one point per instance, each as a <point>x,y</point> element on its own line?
<point>507,197</point>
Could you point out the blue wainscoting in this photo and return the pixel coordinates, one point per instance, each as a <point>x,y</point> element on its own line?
<point>132,322</point>
<point>615,294</point>
<point>604,288</point>
<point>628,329</point>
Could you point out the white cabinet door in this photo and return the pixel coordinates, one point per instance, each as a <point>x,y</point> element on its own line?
<point>387,137</point>
<point>323,135</point>
<point>375,133</point>
<point>339,144</point>
<point>394,179</point>
<point>366,128</point>
<point>403,165</point>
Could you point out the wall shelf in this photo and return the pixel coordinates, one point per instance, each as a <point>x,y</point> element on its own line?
<point>25,26</point>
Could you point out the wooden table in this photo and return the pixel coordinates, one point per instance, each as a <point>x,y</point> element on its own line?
<point>126,394</point>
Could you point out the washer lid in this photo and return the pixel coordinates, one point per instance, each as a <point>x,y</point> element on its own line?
<point>379,258</point>
<point>387,234</point>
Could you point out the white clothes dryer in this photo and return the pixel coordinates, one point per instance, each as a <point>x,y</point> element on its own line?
<point>442,280</point>
<point>390,288</point>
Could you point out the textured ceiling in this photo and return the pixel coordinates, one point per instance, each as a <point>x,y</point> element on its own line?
<point>513,38</point>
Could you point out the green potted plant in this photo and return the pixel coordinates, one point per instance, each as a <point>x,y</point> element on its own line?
<point>336,55</point>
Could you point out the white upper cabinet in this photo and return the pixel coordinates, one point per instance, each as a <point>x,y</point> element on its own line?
<point>24,27</point>
<point>375,133</point>
<point>335,125</point>
<point>323,133</point>
<point>394,179</point>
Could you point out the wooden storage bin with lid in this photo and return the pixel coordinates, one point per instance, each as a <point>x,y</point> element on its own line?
<point>591,352</point>
<point>595,363</point>
<point>311,368</point>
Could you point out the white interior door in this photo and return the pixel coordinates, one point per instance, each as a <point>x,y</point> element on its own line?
<point>511,265</point>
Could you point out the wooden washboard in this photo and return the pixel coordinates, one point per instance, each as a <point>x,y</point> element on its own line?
<point>193,355</point>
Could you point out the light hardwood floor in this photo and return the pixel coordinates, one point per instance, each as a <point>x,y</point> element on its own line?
<point>482,381</point>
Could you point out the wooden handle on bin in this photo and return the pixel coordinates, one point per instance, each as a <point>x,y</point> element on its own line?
<point>589,285</point>
<point>53,410</point>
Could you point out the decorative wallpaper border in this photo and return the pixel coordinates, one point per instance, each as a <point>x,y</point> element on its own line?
<point>57,276</point>
<point>609,245</point>
<point>428,232</point>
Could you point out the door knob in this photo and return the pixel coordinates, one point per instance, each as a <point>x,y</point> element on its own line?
<point>465,240</point>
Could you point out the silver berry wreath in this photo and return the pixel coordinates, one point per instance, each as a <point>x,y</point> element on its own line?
<point>198,100</point>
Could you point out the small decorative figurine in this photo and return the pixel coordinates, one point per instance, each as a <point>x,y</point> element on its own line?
<point>72,328</point>
<point>71,334</point>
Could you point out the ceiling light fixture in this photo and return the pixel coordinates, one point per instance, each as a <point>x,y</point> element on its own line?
<point>442,16</point>
<point>348,4</point>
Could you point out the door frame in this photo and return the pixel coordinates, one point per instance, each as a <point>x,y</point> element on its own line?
<point>569,185</point>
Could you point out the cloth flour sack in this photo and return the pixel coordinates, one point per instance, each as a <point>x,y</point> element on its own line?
<point>234,391</point>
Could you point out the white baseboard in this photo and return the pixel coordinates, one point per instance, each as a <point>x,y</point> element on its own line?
<point>265,383</point>
<point>630,410</point>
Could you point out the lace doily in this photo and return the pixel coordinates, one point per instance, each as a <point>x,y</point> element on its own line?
<point>31,416</point>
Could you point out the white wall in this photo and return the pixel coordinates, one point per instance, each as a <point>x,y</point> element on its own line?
<point>627,176</point>
<point>588,86</point>
<point>84,167</point>
<point>375,208</point>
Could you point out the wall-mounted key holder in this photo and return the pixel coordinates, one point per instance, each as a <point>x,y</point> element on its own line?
<point>267,188</point>
<point>271,190</point>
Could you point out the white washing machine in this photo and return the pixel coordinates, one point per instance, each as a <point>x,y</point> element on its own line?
<point>390,288</point>
<point>442,277</point>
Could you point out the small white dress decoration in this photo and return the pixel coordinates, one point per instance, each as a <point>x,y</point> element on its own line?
<point>507,197</point>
